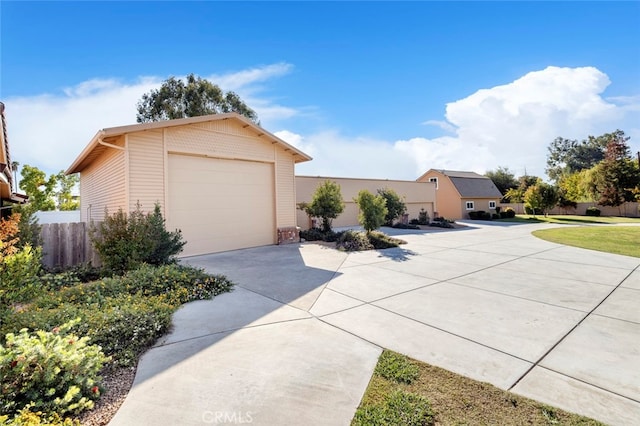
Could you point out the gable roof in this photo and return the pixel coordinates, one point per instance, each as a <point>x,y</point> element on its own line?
<point>470,187</point>
<point>470,184</point>
<point>94,148</point>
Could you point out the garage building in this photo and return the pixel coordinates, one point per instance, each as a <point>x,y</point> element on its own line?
<point>224,181</point>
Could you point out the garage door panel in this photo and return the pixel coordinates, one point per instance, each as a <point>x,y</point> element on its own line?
<point>221,204</point>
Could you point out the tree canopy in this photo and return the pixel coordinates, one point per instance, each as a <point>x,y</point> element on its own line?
<point>567,156</point>
<point>616,177</point>
<point>395,206</point>
<point>541,197</point>
<point>327,203</point>
<point>503,179</point>
<point>372,210</point>
<point>48,193</point>
<point>191,98</point>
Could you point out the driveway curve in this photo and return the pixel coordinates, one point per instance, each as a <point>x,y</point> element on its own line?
<point>297,340</point>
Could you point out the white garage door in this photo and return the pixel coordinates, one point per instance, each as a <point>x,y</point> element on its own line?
<point>221,204</point>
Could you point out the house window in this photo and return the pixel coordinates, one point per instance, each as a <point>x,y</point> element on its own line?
<point>434,180</point>
<point>470,205</point>
<point>492,204</point>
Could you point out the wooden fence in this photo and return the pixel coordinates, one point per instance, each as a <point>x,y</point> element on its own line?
<point>67,244</point>
<point>626,209</point>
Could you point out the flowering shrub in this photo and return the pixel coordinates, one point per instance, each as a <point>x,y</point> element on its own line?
<point>124,315</point>
<point>52,372</point>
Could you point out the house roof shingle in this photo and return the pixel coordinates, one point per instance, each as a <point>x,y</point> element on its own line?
<point>469,184</point>
<point>481,187</point>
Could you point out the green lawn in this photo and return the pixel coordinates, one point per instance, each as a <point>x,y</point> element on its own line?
<point>611,239</point>
<point>571,219</point>
<point>408,392</point>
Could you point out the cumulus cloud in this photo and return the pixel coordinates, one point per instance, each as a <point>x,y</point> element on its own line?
<point>509,125</point>
<point>50,130</point>
<point>513,124</point>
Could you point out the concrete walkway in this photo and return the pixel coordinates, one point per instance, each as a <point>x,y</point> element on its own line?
<point>297,340</point>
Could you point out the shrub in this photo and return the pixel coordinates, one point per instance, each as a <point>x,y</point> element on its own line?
<point>415,222</point>
<point>593,211</point>
<point>124,315</point>
<point>396,367</point>
<point>26,417</point>
<point>28,228</point>
<point>403,226</point>
<point>312,234</point>
<point>381,241</point>
<point>398,408</point>
<point>315,234</point>
<point>511,213</point>
<point>124,241</point>
<point>423,217</point>
<point>19,274</point>
<point>473,215</point>
<point>495,216</point>
<point>504,215</point>
<point>372,210</point>
<point>395,206</point>
<point>53,372</point>
<point>441,224</point>
<point>353,241</point>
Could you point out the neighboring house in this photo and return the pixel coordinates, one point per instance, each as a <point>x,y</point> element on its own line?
<point>458,193</point>
<point>7,195</point>
<point>225,182</point>
<point>416,195</point>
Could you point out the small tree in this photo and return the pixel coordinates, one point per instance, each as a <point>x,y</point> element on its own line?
<point>372,210</point>
<point>395,206</point>
<point>541,196</point>
<point>327,204</point>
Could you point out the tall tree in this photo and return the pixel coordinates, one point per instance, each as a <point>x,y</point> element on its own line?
<point>39,188</point>
<point>615,178</point>
<point>64,196</point>
<point>567,156</point>
<point>191,98</point>
<point>503,179</point>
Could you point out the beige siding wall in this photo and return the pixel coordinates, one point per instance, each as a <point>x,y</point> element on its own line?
<point>193,139</point>
<point>285,189</point>
<point>417,195</point>
<point>102,184</point>
<point>146,169</point>
<point>447,197</point>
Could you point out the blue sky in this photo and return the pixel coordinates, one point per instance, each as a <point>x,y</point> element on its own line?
<point>380,89</point>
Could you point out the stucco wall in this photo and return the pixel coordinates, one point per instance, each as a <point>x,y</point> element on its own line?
<point>417,195</point>
<point>447,197</point>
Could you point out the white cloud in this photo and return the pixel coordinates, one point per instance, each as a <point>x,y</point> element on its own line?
<point>49,130</point>
<point>513,124</point>
<point>510,125</point>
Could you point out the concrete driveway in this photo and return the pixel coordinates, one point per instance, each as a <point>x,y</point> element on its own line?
<point>297,340</point>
